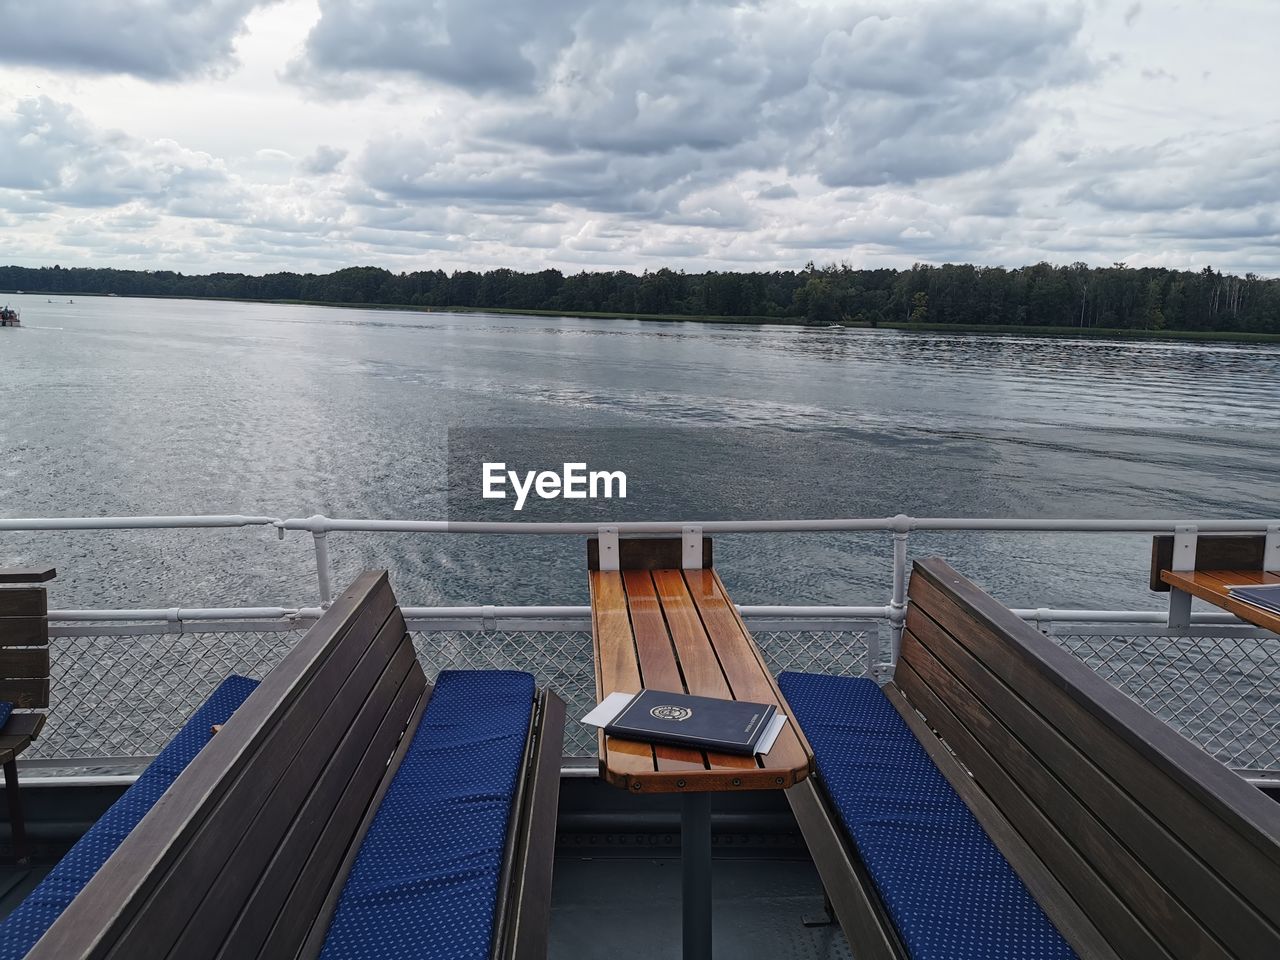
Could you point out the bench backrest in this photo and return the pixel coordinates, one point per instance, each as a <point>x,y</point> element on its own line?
<point>24,646</point>
<point>241,854</point>
<point>1142,844</point>
<point>1213,552</point>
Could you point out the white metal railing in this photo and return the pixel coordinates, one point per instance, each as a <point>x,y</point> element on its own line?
<point>878,653</point>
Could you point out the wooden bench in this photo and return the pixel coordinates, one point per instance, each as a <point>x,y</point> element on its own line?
<point>1222,561</point>
<point>260,846</point>
<point>24,678</point>
<point>1133,840</point>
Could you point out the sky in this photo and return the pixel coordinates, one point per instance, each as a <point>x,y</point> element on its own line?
<point>264,135</point>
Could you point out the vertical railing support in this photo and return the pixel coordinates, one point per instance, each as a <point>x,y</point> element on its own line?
<point>1184,560</point>
<point>898,605</point>
<point>323,578</point>
<point>1271,550</point>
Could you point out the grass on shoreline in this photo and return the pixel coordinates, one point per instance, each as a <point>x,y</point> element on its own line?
<point>1099,333</point>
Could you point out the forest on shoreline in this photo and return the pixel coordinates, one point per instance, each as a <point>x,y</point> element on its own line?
<point>1118,297</point>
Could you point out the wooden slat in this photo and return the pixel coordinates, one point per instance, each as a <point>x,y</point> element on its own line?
<point>1225,821</point>
<point>978,702</point>
<point>260,788</point>
<point>31,663</point>
<point>316,921</point>
<point>1074,925</point>
<point>110,901</point>
<point>703,675</point>
<point>1098,816</point>
<point>25,694</point>
<point>745,669</point>
<point>308,789</point>
<point>657,661</point>
<point>23,602</point>
<point>23,726</point>
<point>24,632</point>
<point>38,574</point>
<point>316,852</point>
<point>617,670</point>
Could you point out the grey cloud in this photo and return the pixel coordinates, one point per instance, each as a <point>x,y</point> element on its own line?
<point>323,160</point>
<point>153,39</point>
<point>53,154</point>
<point>1131,15</point>
<point>780,191</point>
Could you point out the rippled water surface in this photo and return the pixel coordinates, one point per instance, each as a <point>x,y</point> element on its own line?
<point>120,406</point>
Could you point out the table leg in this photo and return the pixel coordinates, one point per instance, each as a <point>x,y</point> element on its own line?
<point>695,852</point>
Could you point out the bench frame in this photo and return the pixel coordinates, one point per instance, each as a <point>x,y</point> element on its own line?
<point>1183,812</point>
<point>149,898</point>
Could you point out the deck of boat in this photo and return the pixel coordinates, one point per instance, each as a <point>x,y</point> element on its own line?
<point>617,872</point>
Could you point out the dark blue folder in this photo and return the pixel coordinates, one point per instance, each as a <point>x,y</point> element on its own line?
<point>707,723</point>
<point>1267,597</point>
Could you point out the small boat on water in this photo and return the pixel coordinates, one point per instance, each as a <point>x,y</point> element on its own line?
<point>9,317</point>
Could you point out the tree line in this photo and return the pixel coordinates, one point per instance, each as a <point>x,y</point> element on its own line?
<point>1115,297</point>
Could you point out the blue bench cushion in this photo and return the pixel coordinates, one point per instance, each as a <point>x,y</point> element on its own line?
<point>27,924</point>
<point>6,708</point>
<point>425,881</point>
<point>949,891</point>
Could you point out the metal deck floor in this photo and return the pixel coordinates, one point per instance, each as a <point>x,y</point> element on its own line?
<point>619,908</point>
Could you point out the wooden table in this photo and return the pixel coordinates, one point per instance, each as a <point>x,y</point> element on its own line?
<point>677,630</point>
<point>1215,587</point>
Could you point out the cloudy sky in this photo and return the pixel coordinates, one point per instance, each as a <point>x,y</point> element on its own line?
<point>257,135</point>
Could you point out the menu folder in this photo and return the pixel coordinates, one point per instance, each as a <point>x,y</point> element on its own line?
<point>1266,596</point>
<point>679,719</point>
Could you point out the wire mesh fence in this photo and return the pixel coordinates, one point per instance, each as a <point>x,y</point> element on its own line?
<point>117,694</point>
<point>1219,691</point>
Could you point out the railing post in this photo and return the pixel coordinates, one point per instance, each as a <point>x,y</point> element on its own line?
<point>321,540</point>
<point>898,605</point>
<point>1184,560</point>
<point>1271,550</point>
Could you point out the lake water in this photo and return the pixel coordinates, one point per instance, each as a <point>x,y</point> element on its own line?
<point>122,406</point>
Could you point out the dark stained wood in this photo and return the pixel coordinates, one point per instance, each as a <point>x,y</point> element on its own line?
<point>647,553</point>
<point>246,854</point>
<point>1146,795</point>
<point>25,664</point>
<point>1145,756</point>
<point>319,774</point>
<point>305,915</point>
<point>1213,552</point>
<point>23,602</point>
<point>1215,587</point>
<point>27,574</point>
<point>25,694</point>
<point>1112,885</point>
<point>17,823</point>
<point>339,827</point>
<point>523,930</point>
<point>24,632</point>
<point>1099,818</point>
<point>108,905</point>
<point>1065,913</point>
<point>849,888</point>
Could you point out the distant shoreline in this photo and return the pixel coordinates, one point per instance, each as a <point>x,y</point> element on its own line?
<point>1096,333</point>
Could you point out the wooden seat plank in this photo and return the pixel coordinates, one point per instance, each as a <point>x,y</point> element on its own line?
<point>658,667</point>
<point>617,670</point>
<point>744,667</point>
<point>703,674</point>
